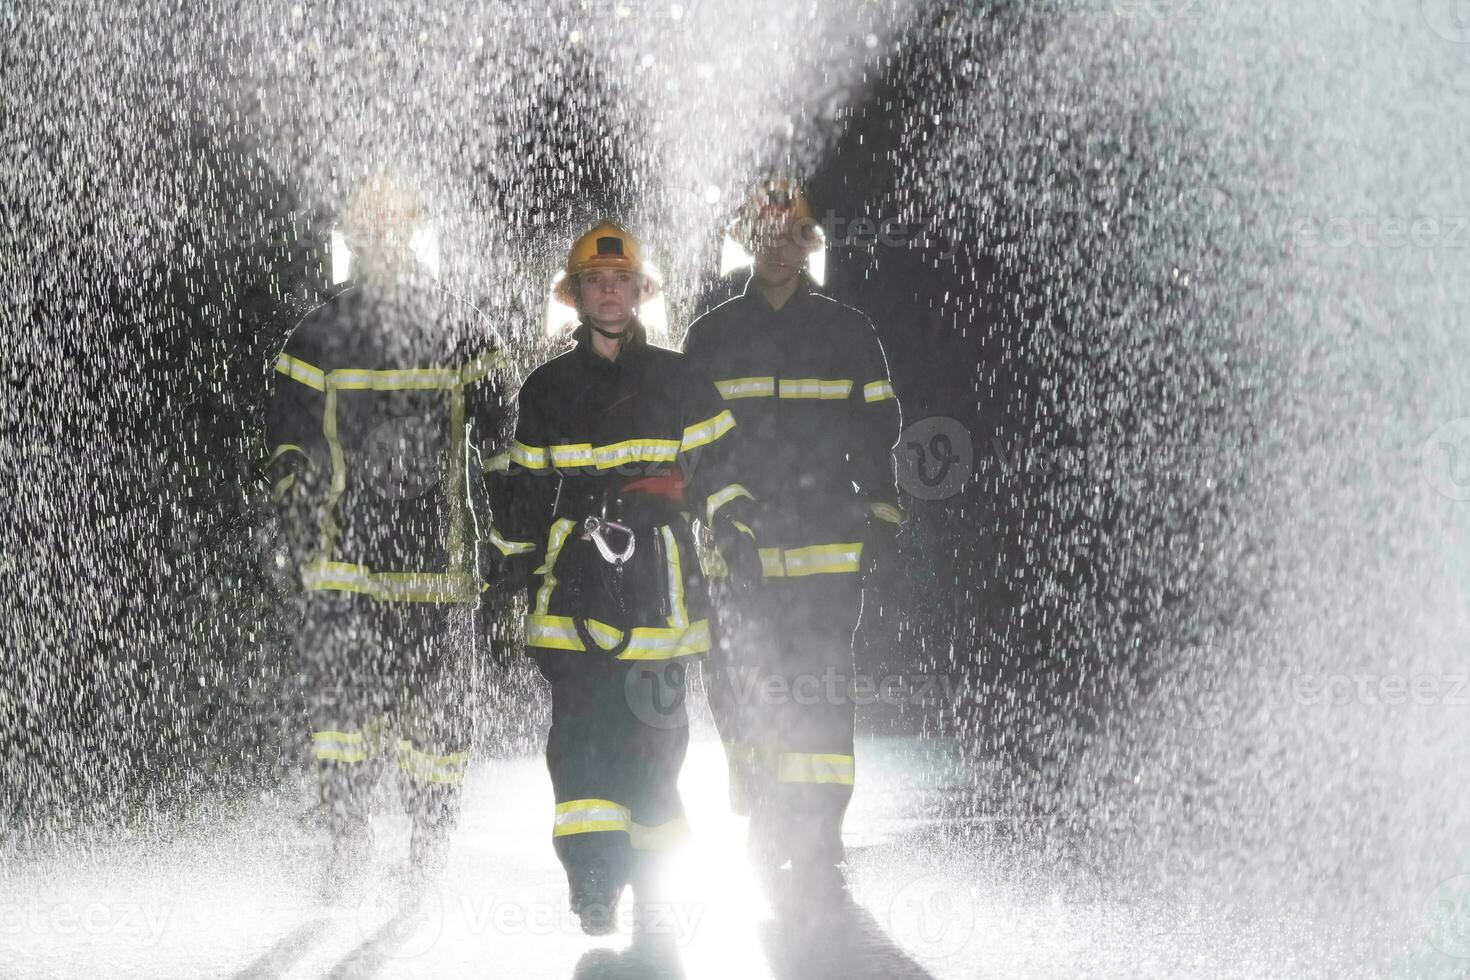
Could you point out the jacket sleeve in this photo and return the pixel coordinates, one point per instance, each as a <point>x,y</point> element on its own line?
<point>489,384</point>
<point>522,489</point>
<point>876,421</point>
<point>298,465</point>
<point>707,450</point>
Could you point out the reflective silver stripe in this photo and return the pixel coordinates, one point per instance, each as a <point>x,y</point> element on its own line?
<point>355,379</point>
<point>547,632</point>
<point>589,816</point>
<point>298,370</point>
<point>340,747</point>
<point>746,388</point>
<point>510,547</point>
<point>877,391</point>
<point>887,512</point>
<point>815,388</point>
<point>707,431</point>
<point>531,457</point>
<point>615,454</point>
<point>555,538</point>
<point>822,559</point>
<point>720,498</point>
<point>679,618</point>
<point>808,767</point>
<point>424,767</point>
<point>453,587</point>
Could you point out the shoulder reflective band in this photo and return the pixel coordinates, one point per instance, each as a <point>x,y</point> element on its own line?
<point>815,388</point>
<point>283,449</point>
<point>337,576</point>
<point>877,391</point>
<point>747,388</point>
<point>510,547</point>
<point>720,498</point>
<point>546,632</point>
<point>298,370</point>
<point>589,817</point>
<point>887,512</point>
<point>340,747</point>
<point>422,767</point>
<point>807,767</point>
<point>818,559</point>
<point>707,431</point>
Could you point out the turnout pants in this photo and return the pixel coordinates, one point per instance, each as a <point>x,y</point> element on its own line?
<point>781,694</point>
<point>383,685</point>
<point>619,733</point>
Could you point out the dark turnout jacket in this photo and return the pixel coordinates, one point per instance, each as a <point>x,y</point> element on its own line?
<point>640,440</point>
<point>817,421</point>
<point>382,401</point>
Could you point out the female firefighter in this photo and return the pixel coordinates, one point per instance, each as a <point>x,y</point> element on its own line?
<point>617,446</point>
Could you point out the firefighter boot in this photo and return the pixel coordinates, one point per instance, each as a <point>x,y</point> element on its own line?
<point>595,897</point>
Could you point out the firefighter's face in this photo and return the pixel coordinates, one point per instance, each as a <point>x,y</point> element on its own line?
<point>779,260</point>
<point>608,296</point>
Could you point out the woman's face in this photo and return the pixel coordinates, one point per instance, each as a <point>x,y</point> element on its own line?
<point>608,296</point>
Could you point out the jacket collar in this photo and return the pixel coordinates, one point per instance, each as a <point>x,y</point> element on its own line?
<point>582,337</point>
<point>804,288</point>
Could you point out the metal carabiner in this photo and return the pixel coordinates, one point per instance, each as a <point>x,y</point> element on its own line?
<point>592,530</point>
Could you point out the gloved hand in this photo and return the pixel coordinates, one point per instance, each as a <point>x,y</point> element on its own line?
<point>738,548</point>
<point>880,539</point>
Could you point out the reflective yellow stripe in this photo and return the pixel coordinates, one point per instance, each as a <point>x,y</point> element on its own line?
<point>877,391</point>
<point>449,587</point>
<point>547,632</point>
<point>887,512</point>
<point>424,767</point>
<point>555,538</point>
<point>817,559</point>
<point>679,618</point>
<point>589,817</point>
<point>483,366</point>
<point>283,449</point>
<point>659,837</point>
<point>815,388</point>
<point>283,486</point>
<point>806,767</point>
<point>707,431</point>
<point>720,498</point>
<point>499,463</point>
<point>340,747</point>
<point>615,454</point>
<point>355,379</point>
<point>746,388</point>
<point>298,370</point>
<point>531,457</point>
<point>510,547</point>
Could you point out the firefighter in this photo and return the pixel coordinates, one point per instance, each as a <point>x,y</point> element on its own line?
<point>615,445</point>
<point>382,399</point>
<point>808,384</point>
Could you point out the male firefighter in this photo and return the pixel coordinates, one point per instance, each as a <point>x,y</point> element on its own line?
<point>615,441</point>
<point>817,419</point>
<point>382,400</point>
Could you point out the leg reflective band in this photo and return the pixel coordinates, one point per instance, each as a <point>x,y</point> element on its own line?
<point>340,747</point>
<point>807,767</point>
<point>659,837</point>
<point>426,768</point>
<point>589,817</point>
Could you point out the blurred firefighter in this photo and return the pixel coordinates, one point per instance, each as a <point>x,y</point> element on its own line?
<point>817,416</point>
<point>615,442</point>
<point>383,398</point>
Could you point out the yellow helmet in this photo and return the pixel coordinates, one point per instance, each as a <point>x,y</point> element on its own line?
<point>604,246</point>
<point>775,208</point>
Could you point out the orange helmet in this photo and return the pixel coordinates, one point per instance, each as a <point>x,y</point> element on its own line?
<point>604,246</point>
<point>775,208</point>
